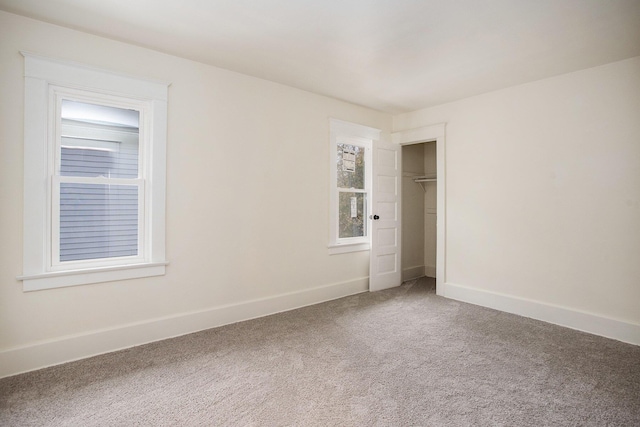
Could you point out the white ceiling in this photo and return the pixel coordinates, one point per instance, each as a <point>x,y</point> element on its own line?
<point>390,55</point>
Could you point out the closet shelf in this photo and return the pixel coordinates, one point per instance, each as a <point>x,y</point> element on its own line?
<point>422,179</point>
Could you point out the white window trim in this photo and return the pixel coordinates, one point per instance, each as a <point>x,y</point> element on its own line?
<point>355,134</point>
<point>41,76</point>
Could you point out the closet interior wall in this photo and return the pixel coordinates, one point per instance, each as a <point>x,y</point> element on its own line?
<point>418,211</point>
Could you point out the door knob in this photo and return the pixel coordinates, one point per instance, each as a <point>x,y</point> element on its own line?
<point>374,217</point>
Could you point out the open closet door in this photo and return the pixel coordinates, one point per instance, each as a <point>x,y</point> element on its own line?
<point>385,271</point>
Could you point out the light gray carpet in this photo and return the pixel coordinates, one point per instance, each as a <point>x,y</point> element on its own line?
<point>398,357</point>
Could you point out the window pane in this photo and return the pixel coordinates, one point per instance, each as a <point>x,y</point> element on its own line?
<point>98,221</point>
<point>352,215</point>
<point>350,166</point>
<point>97,140</point>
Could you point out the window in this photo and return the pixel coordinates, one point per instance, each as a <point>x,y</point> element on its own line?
<point>97,190</point>
<point>350,204</point>
<point>94,175</point>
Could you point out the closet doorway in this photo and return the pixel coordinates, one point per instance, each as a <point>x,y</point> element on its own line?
<point>434,135</point>
<point>419,210</point>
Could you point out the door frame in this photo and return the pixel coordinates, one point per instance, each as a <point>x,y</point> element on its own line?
<point>434,133</point>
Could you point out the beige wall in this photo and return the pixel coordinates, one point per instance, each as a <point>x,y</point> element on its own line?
<point>543,192</point>
<point>247,200</point>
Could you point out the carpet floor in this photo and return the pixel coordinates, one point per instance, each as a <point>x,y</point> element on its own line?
<point>400,357</point>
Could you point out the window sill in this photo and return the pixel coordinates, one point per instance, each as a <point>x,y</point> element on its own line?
<point>60,279</point>
<point>348,247</point>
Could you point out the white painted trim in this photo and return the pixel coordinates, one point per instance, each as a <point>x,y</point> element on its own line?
<point>418,135</point>
<point>354,130</point>
<point>44,79</point>
<point>363,136</point>
<point>61,279</point>
<point>412,272</point>
<point>53,352</point>
<point>563,316</point>
<point>81,76</point>
<point>435,133</point>
<point>348,247</point>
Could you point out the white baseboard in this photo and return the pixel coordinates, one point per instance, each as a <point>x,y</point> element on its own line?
<point>412,272</point>
<point>585,322</point>
<point>66,349</point>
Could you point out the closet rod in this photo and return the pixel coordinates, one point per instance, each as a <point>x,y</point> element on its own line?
<point>421,179</point>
